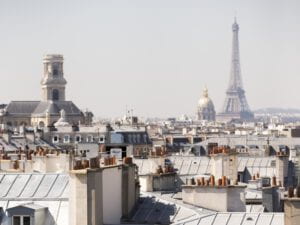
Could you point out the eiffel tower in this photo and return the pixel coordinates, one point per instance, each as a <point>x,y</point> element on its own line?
<point>235,105</point>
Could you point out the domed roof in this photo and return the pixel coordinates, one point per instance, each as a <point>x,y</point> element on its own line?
<point>62,122</point>
<point>205,101</point>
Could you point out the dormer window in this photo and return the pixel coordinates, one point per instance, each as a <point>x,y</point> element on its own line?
<point>78,138</point>
<point>55,139</point>
<point>67,139</point>
<point>27,214</point>
<point>21,220</point>
<point>102,139</point>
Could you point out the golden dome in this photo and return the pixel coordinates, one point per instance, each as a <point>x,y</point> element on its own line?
<point>205,101</point>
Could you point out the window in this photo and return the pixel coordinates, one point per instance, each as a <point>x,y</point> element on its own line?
<point>129,138</point>
<point>55,95</point>
<point>55,139</point>
<point>41,124</point>
<point>66,138</point>
<point>21,220</point>
<point>102,139</point>
<point>78,138</point>
<point>138,138</point>
<point>145,138</point>
<point>55,70</point>
<point>89,138</point>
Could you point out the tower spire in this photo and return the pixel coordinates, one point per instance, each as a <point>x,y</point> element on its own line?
<point>235,105</point>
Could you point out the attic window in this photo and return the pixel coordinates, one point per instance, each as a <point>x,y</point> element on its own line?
<point>55,139</point>
<point>21,220</point>
<point>101,139</point>
<point>78,138</point>
<point>67,139</point>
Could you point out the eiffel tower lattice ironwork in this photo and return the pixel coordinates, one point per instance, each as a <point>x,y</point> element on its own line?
<point>235,105</point>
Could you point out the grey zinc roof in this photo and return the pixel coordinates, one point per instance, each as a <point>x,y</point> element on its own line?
<point>251,141</point>
<point>199,165</point>
<point>33,186</point>
<point>54,107</point>
<point>153,210</point>
<point>41,107</point>
<point>22,107</point>
<point>237,219</point>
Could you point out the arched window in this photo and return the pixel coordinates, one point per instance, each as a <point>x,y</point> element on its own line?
<point>23,123</point>
<point>41,124</point>
<point>55,95</point>
<point>55,70</point>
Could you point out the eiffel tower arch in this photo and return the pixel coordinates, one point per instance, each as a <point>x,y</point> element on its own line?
<point>235,105</point>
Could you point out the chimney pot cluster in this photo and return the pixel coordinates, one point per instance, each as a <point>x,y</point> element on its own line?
<point>158,151</point>
<point>221,150</point>
<point>166,169</point>
<point>109,161</point>
<point>281,153</point>
<point>211,181</point>
<point>127,160</point>
<point>85,163</point>
<point>294,192</point>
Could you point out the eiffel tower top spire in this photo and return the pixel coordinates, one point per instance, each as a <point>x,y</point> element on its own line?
<point>235,105</point>
<point>235,73</point>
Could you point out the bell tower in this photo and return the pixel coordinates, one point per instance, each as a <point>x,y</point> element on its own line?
<point>53,82</point>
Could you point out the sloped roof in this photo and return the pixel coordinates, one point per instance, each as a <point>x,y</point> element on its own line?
<point>21,107</point>
<point>239,218</point>
<point>41,107</point>
<point>33,186</point>
<point>199,165</point>
<point>54,108</point>
<point>29,205</point>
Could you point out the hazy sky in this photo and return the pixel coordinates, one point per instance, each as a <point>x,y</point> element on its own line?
<point>153,55</point>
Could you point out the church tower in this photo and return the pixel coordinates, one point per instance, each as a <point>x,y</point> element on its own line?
<point>53,82</point>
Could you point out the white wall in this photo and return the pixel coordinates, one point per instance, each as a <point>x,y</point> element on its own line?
<point>222,199</point>
<point>146,183</point>
<point>51,163</point>
<point>112,195</point>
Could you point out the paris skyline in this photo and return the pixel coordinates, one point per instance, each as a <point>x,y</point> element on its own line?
<point>155,57</point>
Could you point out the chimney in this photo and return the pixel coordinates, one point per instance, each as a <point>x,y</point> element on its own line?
<point>282,160</point>
<point>86,197</point>
<point>7,136</point>
<point>130,188</point>
<point>271,199</point>
<point>224,163</point>
<point>292,207</point>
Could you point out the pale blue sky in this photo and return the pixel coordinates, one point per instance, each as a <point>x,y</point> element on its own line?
<point>152,55</point>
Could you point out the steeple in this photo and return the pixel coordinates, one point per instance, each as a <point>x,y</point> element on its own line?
<point>53,82</point>
<point>235,105</point>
